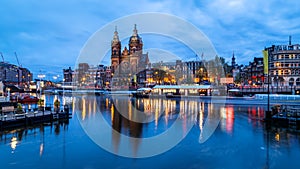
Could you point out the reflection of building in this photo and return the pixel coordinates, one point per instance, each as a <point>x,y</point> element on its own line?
<point>284,64</point>
<point>129,62</point>
<point>10,73</point>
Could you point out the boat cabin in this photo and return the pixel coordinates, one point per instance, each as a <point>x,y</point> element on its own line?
<point>182,90</point>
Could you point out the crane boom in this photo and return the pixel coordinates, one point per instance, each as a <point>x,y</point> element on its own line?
<point>17,59</point>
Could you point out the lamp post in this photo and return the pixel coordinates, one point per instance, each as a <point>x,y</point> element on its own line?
<point>41,76</point>
<point>63,87</point>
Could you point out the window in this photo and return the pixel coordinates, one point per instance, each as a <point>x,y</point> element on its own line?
<point>284,47</point>
<point>293,72</point>
<point>298,81</point>
<point>286,56</point>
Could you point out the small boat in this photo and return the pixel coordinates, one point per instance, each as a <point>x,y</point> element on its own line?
<point>24,99</point>
<point>235,93</point>
<point>29,99</point>
<point>173,95</point>
<point>142,92</point>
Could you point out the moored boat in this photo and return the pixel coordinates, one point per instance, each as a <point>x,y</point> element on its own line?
<point>24,99</point>
<point>142,92</point>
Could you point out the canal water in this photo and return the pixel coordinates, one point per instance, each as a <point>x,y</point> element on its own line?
<point>114,132</point>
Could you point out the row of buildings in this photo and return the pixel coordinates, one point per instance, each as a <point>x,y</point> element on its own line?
<point>130,67</point>
<point>283,63</point>
<point>15,75</point>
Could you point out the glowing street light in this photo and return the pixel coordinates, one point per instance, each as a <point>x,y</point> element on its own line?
<point>41,76</point>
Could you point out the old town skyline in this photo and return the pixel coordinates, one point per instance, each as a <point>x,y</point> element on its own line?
<point>54,30</point>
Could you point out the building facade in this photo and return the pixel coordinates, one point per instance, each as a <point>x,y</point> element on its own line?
<point>68,75</point>
<point>253,73</point>
<point>12,74</point>
<point>126,64</point>
<point>284,64</point>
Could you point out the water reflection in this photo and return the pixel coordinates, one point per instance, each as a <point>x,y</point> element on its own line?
<point>242,140</point>
<point>145,118</point>
<point>157,114</point>
<point>18,136</point>
<point>227,121</point>
<point>13,144</point>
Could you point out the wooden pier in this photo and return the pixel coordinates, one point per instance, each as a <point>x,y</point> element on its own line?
<point>15,120</point>
<point>286,116</point>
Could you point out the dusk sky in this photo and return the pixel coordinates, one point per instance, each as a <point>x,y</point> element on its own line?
<point>49,35</point>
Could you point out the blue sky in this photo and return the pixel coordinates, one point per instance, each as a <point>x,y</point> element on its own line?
<point>49,35</point>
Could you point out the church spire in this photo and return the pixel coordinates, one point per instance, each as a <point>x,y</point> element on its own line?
<point>135,31</point>
<point>233,63</point>
<point>116,36</point>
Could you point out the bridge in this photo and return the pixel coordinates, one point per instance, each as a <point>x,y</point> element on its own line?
<point>245,90</point>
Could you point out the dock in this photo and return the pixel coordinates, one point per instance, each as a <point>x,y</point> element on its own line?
<point>286,116</point>
<point>34,117</point>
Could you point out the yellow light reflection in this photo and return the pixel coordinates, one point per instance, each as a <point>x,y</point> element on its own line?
<point>13,143</point>
<point>129,110</point>
<point>156,118</point>
<point>90,109</point>
<point>106,102</point>
<point>95,107</point>
<point>277,137</point>
<point>112,110</point>
<point>83,109</point>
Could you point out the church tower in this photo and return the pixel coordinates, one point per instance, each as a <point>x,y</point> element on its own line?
<point>135,42</point>
<point>115,51</point>
<point>233,63</point>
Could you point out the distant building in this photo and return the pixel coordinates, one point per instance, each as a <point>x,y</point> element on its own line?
<point>68,75</point>
<point>13,74</point>
<point>253,73</point>
<point>89,76</point>
<point>194,71</point>
<point>284,64</point>
<point>235,68</point>
<point>82,74</point>
<point>179,72</point>
<point>102,76</point>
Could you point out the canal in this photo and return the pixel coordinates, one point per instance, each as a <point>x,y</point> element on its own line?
<point>125,132</point>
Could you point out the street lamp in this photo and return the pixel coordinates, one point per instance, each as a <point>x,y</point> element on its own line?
<point>63,87</point>
<point>41,76</point>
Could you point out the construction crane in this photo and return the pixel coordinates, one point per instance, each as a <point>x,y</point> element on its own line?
<point>17,59</point>
<point>2,56</point>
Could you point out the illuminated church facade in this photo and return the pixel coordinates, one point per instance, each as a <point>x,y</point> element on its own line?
<point>127,64</point>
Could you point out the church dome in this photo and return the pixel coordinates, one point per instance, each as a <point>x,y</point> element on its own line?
<point>135,37</point>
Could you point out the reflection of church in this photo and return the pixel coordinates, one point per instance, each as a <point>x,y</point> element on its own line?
<point>128,63</point>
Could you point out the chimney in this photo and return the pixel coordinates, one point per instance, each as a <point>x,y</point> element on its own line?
<point>290,40</point>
